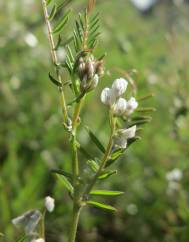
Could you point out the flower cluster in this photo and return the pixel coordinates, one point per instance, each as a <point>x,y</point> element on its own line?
<point>89,71</point>
<point>112,98</point>
<point>120,107</point>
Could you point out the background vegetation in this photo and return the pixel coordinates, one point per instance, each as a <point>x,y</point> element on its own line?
<point>155,205</point>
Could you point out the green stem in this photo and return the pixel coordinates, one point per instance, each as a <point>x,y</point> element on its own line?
<point>55,61</point>
<point>105,157</point>
<point>74,225</point>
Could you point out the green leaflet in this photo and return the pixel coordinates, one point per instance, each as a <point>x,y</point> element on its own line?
<point>61,172</point>
<point>54,81</point>
<point>101,205</point>
<point>107,174</point>
<point>48,2</point>
<point>106,193</point>
<point>53,12</point>
<point>95,140</point>
<point>65,182</point>
<point>93,165</point>
<point>62,23</point>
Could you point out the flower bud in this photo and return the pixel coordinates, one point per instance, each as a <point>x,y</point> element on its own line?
<point>99,69</point>
<point>119,86</point>
<point>90,69</point>
<point>38,240</point>
<point>107,96</point>
<point>95,81</point>
<point>132,104</point>
<point>49,203</point>
<point>120,106</point>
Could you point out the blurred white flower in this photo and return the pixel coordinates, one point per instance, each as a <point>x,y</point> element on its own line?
<point>15,82</point>
<point>174,175</point>
<point>132,209</point>
<point>143,5</point>
<point>38,240</point>
<point>132,104</point>
<point>49,203</point>
<point>119,86</point>
<point>123,135</point>
<point>31,40</point>
<point>28,221</point>
<point>120,106</point>
<point>61,54</point>
<point>107,96</point>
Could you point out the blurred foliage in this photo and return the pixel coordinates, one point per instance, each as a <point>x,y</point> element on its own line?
<point>32,140</point>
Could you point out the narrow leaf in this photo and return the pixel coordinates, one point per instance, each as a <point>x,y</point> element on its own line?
<point>53,12</point>
<point>48,2</point>
<point>93,165</point>
<point>115,155</point>
<point>145,110</point>
<point>85,153</point>
<point>101,205</point>
<point>106,193</point>
<point>62,23</point>
<point>54,81</point>
<point>95,140</point>
<point>107,174</point>
<point>61,172</point>
<point>65,182</point>
<point>58,42</point>
<point>146,97</point>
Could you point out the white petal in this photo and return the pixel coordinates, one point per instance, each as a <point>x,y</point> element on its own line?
<point>107,96</point>
<point>49,203</point>
<point>129,133</point>
<point>132,104</point>
<point>120,106</point>
<point>119,86</point>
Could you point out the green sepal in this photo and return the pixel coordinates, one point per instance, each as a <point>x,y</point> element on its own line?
<point>106,174</point>
<point>61,172</point>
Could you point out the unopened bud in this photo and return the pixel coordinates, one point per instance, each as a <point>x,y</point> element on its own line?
<point>107,96</point>
<point>132,104</point>
<point>49,203</point>
<point>119,86</point>
<point>120,106</point>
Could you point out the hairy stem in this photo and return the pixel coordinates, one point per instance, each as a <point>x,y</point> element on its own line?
<point>55,61</point>
<point>105,157</point>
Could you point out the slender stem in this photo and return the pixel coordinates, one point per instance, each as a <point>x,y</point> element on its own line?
<point>74,225</point>
<point>55,61</point>
<point>105,157</point>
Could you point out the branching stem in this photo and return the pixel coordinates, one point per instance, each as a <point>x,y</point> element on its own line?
<point>55,61</point>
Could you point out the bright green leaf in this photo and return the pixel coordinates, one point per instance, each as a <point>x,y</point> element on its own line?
<point>65,182</point>
<point>107,174</point>
<point>95,140</point>
<point>62,23</point>
<point>53,12</point>
<point>101,205</point>
<point>106,193</point>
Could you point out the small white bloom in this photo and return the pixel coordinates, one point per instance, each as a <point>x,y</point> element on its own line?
<point>143,5</point>
<point>119,86</point>
<point>174,175</point>
<point>61,54</point>
<point>38,240</point>
<point>120,106</point>
<point>107,96</point>
<point>132,104</point>
<point>49,203</point>
<point>123,135</point>
<point>31,39</point>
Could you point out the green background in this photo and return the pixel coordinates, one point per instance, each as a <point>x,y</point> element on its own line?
<point>32,139</point>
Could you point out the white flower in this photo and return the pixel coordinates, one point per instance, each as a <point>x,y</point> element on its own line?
<point>28,221</point>
<point>119,86</point>
<point>174,175</point>
<point>123,135</point>
<point>132,104</point>
<point>49,203</point>
<point>107,96</point>
<point>120,106</point>
<point>38,240</point>
<point>31,40</point>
